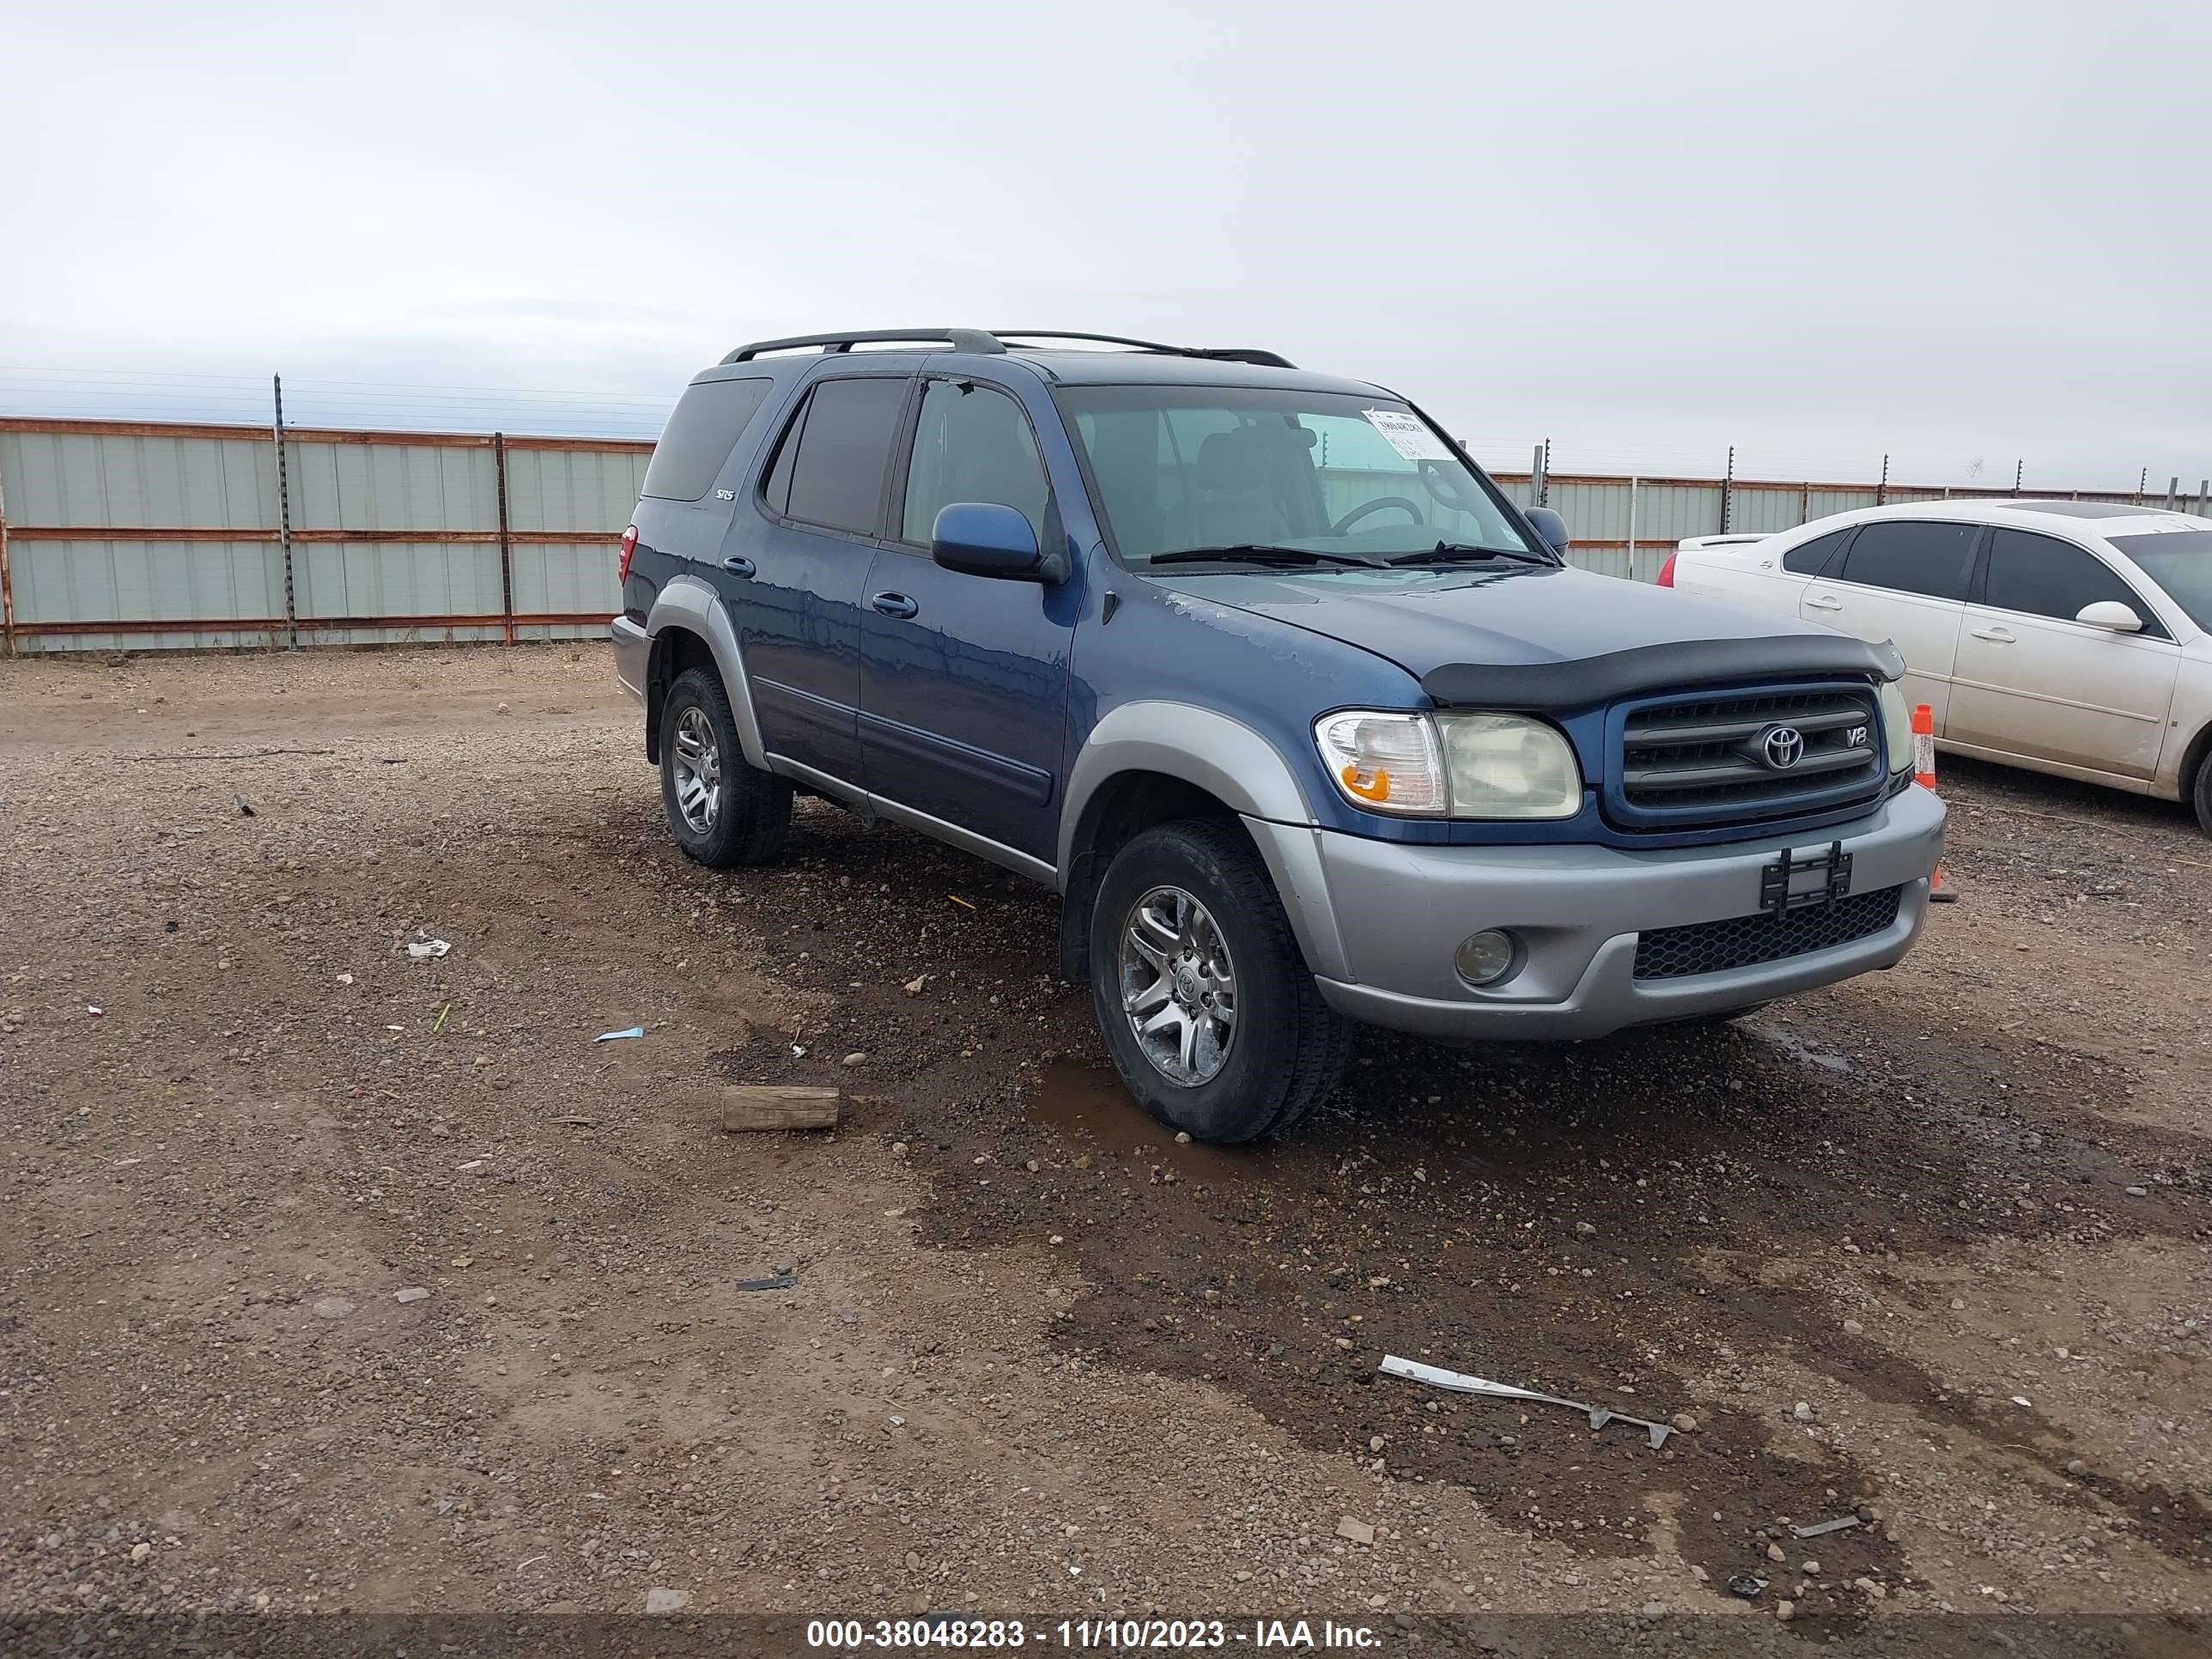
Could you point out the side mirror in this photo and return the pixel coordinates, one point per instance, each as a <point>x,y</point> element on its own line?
<point>1552,527</point>
<point>984,538</point>
<point>2110,613</point>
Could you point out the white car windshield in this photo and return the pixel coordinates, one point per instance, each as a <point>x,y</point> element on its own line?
<point>2181,562</point>
<point>1289,477</point>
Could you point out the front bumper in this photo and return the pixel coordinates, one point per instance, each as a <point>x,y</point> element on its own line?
<point>633,646</point>
<point>1380,921</point>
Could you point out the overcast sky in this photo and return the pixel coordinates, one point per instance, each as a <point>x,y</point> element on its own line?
<point>1955,233</point>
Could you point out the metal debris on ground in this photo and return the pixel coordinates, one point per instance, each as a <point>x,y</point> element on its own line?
<point>427,949</point>
<point>778,1282</point>
<point>1747,1587</point>
<point>244,810</point>
<point>617,1036</point>
<point>1460,1382</point>
<point>1822,1528</point>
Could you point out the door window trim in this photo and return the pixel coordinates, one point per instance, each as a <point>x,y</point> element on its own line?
<point>794,426</point>
<point>2154,626</point>
<point>894,540</point>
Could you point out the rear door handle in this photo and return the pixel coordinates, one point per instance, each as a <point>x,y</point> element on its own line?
<point>1824,602</point>
<point>739,566</point>
<point>894,604</point>
<point>1995,635</point>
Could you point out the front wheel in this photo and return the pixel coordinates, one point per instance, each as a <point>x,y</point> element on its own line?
<point>1208,1007</point>
<point>2203,793</point>
<point>722,811</point>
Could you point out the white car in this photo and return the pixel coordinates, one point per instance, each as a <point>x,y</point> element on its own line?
<point>2071,637</point>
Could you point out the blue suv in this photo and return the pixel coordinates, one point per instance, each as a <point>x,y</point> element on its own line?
<point>1305,721</point>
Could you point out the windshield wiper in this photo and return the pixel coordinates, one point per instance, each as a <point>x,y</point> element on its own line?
<point>1455,552</point>
<point>1264,553</point>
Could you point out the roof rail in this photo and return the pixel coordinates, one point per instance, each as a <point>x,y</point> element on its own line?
<point>1225,354</point>
<point>960,340</point>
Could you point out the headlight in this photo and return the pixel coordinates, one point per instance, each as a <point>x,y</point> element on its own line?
<point>1505,766</point>
<point>1896,728</point>
<point>1462,766</point>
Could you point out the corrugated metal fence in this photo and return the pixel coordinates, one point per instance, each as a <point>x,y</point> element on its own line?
<point>154,537</point>
<point>145,536</point>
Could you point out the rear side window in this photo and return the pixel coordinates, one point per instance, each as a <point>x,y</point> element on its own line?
<point>1806,560</point>
<point>708,421</point>
<point>1908,557</point>
<point>2044,576</point>
<point>830,469</point>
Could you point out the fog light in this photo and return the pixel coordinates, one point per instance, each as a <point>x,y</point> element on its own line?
<point>1486,957</point>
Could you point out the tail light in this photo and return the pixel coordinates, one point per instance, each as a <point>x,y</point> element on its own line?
<point>1666,570</point>
<point>630,552</point>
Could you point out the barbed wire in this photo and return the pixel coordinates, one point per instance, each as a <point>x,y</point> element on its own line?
<point>38,390</point>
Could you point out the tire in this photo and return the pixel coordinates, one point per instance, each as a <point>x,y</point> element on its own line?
<point>1284,1047</point>
<point>748,813</point>
<point>2202,794</point>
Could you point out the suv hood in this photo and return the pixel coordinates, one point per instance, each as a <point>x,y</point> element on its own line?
<point>1539,635</point>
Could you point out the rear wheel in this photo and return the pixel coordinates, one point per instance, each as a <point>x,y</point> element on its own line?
<point>722,811</point>
<point>2202,794</point>
<point>1209,1010</point>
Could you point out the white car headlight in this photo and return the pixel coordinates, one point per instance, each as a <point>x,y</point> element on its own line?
<point>1462,766</point>
<point>1896,728</point>
<point>1507,766</point>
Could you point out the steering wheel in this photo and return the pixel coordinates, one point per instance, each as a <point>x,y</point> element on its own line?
<point>1443,488</point>
<point>1411,509</point>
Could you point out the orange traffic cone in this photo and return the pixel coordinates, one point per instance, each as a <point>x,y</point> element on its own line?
<point>1924,767</point>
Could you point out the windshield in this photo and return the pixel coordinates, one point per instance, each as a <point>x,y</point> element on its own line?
<point>1354,480</point>
<point>2181,562</point>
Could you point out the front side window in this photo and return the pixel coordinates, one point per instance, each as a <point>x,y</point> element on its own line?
<point>829,468</point>
<point>2043,576</point>
<point>1910,557</point>
<point>1182,469</point>
<point>971,444</point>
<point>2181,562</point>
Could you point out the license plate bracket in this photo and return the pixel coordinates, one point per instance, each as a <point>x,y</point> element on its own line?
<point>1780,890</point>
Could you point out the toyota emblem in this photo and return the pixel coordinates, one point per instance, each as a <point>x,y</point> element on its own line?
<point>1782,746</point>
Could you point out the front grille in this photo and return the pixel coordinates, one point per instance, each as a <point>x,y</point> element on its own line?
<point>1699,760</point>
<point>1713,947</point>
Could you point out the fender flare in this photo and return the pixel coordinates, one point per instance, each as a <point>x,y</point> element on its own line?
<point>1229,760</point>
<point>687,602</point>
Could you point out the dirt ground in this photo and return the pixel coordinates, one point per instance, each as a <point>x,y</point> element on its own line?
<point>1929,1248</point>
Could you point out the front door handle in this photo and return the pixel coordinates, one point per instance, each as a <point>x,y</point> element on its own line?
<point>1824,602</point>
<point>895,605</point>
<point>1995,635</point>
<point>739,566</point>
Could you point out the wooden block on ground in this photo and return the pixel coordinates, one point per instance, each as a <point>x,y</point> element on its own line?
<point>775,1106</point>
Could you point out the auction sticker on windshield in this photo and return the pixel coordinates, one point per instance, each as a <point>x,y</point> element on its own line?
<point>1407,433</point>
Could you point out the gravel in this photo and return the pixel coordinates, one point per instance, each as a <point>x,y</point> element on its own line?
<point>211,1190</point>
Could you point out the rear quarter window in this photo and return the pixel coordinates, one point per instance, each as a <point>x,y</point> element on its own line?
<point>1808,558</point>
<point>705,427</point>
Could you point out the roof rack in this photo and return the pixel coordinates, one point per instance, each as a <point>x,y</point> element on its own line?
<point>991,345</point>
<point>1224,353</point>
<point>960,340</point>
